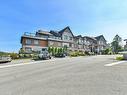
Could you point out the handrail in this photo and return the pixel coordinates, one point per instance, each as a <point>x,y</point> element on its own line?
<point>29,34</point>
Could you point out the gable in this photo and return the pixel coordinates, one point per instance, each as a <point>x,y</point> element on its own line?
<point>66,30</point>
<point>100,38</point>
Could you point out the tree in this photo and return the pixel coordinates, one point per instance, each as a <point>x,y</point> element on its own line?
<point>116,44</point>
<point>65,48</point>
<point>21,51</point>
<point>50,49</point>
<point>117,38</point>
<point>14,55</point>
<point>56,50</point>
<point>53,51</point>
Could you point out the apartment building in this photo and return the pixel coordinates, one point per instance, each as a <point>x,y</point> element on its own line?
<point>101,43</point>
<point>63,38</point>
<point>90,44</point>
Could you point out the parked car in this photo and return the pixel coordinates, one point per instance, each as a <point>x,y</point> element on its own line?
<point>44,54</point>
<point>4,59</point>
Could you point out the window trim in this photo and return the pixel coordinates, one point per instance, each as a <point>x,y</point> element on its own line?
<point>65,37</point>
<point>28,42</point>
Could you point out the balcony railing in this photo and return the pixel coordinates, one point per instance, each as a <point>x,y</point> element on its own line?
<point>30,34</point>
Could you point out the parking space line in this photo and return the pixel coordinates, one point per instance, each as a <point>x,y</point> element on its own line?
<point>20,64</point>
<point>115,63</point>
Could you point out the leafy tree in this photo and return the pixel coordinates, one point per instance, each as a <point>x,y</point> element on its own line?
<point>21,51</point>
<point>116,44</point>
<point>117,38</point>
<point>56,50</point>
<point>65,48</point>
<point>50,49</point>
<point>14,55</point>
<point>61,50</point>
<point>107,51</point>
<point>53,51</point>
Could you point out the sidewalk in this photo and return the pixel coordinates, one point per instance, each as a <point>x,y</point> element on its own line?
<point>21,61</point>
<point>17,61</point>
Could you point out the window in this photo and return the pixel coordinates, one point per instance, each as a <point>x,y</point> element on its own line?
<point>85,41</point>
<point>65,37</point>
<point>45,36</point>
<point>52,37</point>
<point>56,37</point>
<point>65,46</point>
<point>70,38</point>
<point>59,38</point>
<point>77,42</point>
<point>36,42</point>
<point>28,41</point>
<point>80,40</point>
<point>100,42</point>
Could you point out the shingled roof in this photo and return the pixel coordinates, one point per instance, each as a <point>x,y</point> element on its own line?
<point>98,37</point>
<point>125,40</point>
<point>79,36</point>
<point>55,33</point>
<point>90,38</point>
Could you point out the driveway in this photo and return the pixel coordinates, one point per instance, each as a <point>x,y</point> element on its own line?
<point>67,76</point>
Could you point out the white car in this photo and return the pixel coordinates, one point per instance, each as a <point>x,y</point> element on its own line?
<point>44,55</point>
<point>5,59</point>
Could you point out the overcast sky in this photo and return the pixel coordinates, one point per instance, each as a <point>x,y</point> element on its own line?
<point>85,17</point>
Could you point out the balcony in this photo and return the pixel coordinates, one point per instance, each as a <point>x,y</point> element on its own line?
<point>29,34</point>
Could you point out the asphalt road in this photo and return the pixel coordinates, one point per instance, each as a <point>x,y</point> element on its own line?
<point>67,76</point>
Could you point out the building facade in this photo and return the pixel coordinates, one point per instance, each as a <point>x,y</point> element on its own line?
<point>125,46</point>
<point>63,38</point>
<point>101,43</point>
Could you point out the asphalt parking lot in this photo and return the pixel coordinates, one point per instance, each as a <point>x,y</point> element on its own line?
<point>92,75</point>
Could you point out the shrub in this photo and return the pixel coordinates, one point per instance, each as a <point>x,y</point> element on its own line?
<point>81,54</point>
<point>21,51</point>
<point>77,53</point>
<point>55,50</point>
<point>87,53</point>
<point>120,58</point>
<point>26,55</point>
<point>14,55</point>
<point>35,57</point>
<point>73,54</point>
<point>21,55</point>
